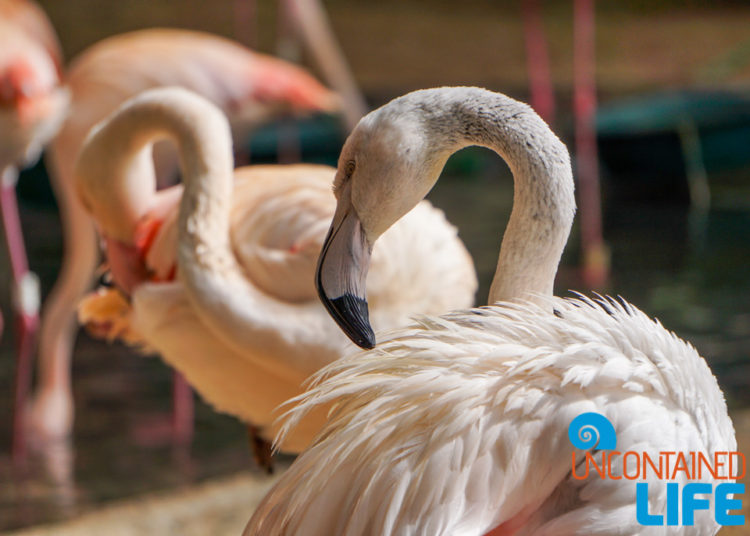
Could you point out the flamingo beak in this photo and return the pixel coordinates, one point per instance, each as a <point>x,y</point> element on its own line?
<point>341,275</point>
<point>126,265</point>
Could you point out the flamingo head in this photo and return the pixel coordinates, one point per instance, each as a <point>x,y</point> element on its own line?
<point>33,104</point>
<point>24,88</point>
<point>128,260</point>
<point>278,88</point>
<point>387,165</point>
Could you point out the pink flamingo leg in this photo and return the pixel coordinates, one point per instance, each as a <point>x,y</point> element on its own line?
<point>596,258</point>
<point>540,80</point>
<point>26,307</point>
<point>311,21</point>
<point>245,25</point>
<point>178,428</point>
<point>182,411</point>
<point>50,417</point>
<point>287,47</point>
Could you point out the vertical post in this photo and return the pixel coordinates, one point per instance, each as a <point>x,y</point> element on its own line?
<point>537,61</point>
<point>596,257</point>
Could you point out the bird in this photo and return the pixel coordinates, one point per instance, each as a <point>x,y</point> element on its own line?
<point>458,423</point>
<point>251,88</point>
<point>219,271</point>
<point>33,105</point>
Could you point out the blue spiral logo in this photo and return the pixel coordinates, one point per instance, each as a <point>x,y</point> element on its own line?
<point>592,430</point>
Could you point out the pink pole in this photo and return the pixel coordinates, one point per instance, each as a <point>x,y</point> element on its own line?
<point>596,258</point>
<point>537,60</point>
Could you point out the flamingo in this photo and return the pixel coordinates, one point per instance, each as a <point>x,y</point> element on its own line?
<point>240,318</point>
<point>251,88</point>
<point>32,107</point>
<point>458,424</point>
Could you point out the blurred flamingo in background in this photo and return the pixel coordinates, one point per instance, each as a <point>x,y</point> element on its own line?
<point>250,88</point>
<point>223,286</point>
<point>32,107</point>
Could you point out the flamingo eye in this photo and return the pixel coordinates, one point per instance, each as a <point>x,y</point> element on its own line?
<point>349,168</point>
<point>343,174</point>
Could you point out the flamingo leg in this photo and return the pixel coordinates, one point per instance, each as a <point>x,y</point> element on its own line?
<point>289,149</point>
<point>183,409</point>
<point>25,305</point>
<point>262,449</point>
<point>596,256</point>
<point>537,61</point>
<point>288,47</point>
<point>245,22</point>
<point>310,20</point>
<point>50,415</point>
<point>177,428</point>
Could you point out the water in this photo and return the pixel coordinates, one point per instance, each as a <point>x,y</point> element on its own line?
<point>687,269</point>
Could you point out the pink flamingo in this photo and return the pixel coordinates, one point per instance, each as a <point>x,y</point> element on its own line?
<point>32,107</point>
<point>250,88</point>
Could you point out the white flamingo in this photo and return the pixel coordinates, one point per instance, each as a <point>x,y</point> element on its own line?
<point>458,423</point>
<point>250,88</point>
<point>241,320</point>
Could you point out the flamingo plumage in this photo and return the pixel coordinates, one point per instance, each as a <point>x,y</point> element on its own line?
<point>250,88</point>
<point>458,424</point>
<point>224,291</point>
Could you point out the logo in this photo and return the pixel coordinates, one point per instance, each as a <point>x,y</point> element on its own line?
<point>690,477</point>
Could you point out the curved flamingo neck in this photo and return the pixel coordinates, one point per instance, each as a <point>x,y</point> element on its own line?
<point>115,171</point>
<point>116,181</point>
<point>543,200</point>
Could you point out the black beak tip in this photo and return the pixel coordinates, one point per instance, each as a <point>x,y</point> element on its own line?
<point>351,313</point>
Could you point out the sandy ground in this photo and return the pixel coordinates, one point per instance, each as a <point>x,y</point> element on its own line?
<point>217,508</point>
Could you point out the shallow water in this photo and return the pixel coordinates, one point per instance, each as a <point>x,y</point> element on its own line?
<point>687,269</point>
